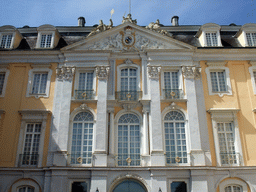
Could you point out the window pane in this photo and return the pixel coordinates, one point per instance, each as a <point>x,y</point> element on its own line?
<point>222,81</point>
<point>2,76</point>
<point>79,187</point>
<point>6,41</point>
<point>39,83</point>
<point>178,187</point>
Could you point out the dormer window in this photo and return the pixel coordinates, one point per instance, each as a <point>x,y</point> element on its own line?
<point>10,37</point>
<point>251,39</point>
<point>247,35</point>
<point>46,41</point>
<point>209,35</point>
<point>211,39</point>
<point>48,37</point>
<point>6,41</point>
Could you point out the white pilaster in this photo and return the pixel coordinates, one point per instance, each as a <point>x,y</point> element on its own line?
<point>61,114</point>
<point>156,133</point>
<point>101,133</point>
<point>98,181</point>
<point>199,181</point>
<point>111,160</point>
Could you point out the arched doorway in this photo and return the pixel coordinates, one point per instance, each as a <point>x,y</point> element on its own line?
<point>130,185</point>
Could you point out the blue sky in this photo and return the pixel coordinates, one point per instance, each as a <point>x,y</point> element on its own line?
<point>65,12</point>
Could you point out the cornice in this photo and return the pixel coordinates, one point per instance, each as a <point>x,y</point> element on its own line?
<point>223,110</point>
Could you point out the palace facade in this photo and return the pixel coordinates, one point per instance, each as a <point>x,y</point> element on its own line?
<point>128,108</point>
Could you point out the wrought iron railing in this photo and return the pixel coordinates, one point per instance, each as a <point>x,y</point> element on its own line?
<point>174,158</point>
<point>28,159</point>
<point>128,160</point>
<point>173,94</point>
<point>128,95</point>
<point>230,158</point>
<point>84,94</point>
<point>80,158</point>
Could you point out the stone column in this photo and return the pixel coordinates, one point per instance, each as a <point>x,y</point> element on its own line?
<point>155,123</point>
<point>61,111</point>
<point>196,116</point>
<point>101,132</point>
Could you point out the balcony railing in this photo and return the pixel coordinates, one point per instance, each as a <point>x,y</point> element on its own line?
<point>128,160</point>
<point>230,158</point>
<point>28,159</point>
<point>84,94</point>
<point>174,158</point>
<point>128,95</point>
<point>80,158</point>
<point>173,94</point>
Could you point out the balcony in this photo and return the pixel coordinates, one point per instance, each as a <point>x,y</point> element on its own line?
<point>173,94</point>
<point>230,158</point>
<point>174,158</point>
<point>84,158</point>
<point>128,160</point>
<point>84,95</point>
<point>128,95</point>
<point>28,159</point>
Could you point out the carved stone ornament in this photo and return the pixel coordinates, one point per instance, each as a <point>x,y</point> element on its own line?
<point>102,72</point>
<point>191,72</point>
<point>129,106</point>
<point>128,62</point>
<point>115,44</point>
<point>101,27</point>
<point>154,71</point>
<point>129,19</point>
<point>65,72</point>
<point>157,28</point>
<point>83,106</point>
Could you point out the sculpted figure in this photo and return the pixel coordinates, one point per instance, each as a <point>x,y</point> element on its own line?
<point>154,26</point>
<point>129,19</point>
<point>101,27</point>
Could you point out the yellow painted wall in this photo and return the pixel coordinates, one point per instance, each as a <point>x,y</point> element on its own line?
<point>242,98</point>
<point>15,99</point>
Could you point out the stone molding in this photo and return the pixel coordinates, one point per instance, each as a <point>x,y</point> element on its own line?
<point>216,63</point>
<point>154,72</point>
<point>225,113</point>
<point>191,72</point>
<point>65,72</point>
<point>102,72</point>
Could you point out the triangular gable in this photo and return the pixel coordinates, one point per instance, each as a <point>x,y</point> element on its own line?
<point>141,39</point>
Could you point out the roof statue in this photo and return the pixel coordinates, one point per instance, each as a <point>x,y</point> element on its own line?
<point>129,19</point>
<point>101,27</point>
<point>156,27</point>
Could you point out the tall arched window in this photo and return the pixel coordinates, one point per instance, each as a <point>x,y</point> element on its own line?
<point>175,138</point>
<point>82,138</point>
<point>234,188</point>
<point>26,189</point>
<point>128,140</point>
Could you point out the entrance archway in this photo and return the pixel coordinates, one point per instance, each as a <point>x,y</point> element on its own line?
<point>130,185</point>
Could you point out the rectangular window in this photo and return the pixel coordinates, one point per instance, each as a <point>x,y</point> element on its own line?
<point>46,41</point>
<point>31,144</point>
<point>171,85</point>
<point>251,39</point>
<point>218,81</point>
<point>211,39</point>
<point>6,41</point>
<point>2,77</point>
<point>85,81</point>
<point>39,83</point>
<point>226,135</point>
<point>178,186</point>
<point>79,187</point>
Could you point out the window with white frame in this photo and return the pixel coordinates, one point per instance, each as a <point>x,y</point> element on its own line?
<point>234,188</point>
<point>252,71</point>
<point>39,82</point>
<point>26,189</point>
<point>226,137</point>
<point>175,138</point>
<point>251,39</point>
<point>85,85</point>
<point>172,85</point>
<point>211,39</point>
<point>128,83</point>
<point>4,73</point>
<point>218,79</point>
<point>128,140</point>
<point>82,139</point>
<point>31,144</point>
<point>46,40</point>
<point>6,41</point>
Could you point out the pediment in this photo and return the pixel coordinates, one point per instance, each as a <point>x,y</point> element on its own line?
<point>141,39</point>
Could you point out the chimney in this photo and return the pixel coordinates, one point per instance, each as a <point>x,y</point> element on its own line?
<point>81,21</point>
<point>175,21</point>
